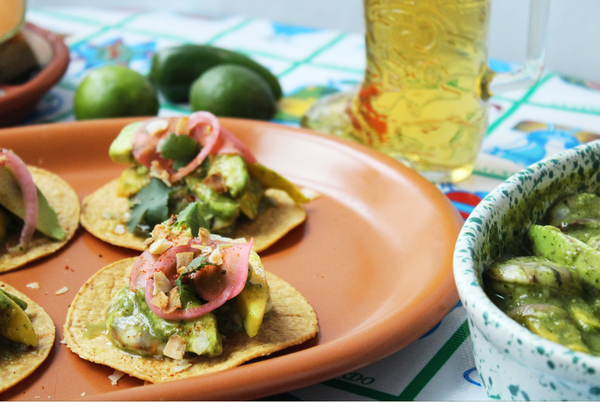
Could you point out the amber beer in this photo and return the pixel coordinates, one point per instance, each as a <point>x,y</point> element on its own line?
<point>421,100</point>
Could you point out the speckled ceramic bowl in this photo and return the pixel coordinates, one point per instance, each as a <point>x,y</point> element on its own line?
<point>514,363</point>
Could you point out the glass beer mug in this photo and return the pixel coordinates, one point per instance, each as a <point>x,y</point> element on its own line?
<point>424,97</point>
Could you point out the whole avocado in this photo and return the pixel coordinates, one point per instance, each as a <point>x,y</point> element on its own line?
<point>230,90</point>
<point>174,69</point>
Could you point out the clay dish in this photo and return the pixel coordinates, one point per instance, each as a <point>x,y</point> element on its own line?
<point>17,101</point>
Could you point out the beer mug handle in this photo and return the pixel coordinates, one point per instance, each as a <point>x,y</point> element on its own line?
<point>532,69</point>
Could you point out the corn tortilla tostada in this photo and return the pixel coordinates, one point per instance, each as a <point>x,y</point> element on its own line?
<point>186,307</point>
<point>26,336</point>
<point>177,160</point>
<point>39,212</point>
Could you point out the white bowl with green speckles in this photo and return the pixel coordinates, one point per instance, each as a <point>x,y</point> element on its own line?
<point>513,363</point>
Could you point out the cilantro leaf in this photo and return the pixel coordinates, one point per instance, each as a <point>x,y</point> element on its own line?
<point>180,148</point>
<point>198,263</point>
<point>195,265</point>
<point>191,217</point>
<point>151,204</point>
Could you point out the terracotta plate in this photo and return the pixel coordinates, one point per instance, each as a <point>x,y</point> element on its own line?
<point>374,259</point>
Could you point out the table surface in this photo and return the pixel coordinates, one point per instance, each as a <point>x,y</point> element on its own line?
<point>524,127</point>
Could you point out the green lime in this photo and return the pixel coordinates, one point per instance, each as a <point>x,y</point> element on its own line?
<point>114,91</point>
<point>231,90</point>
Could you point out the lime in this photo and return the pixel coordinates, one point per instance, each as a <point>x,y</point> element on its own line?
<point>174,69</point>
<point>232,90</point>
<point>114,91</point>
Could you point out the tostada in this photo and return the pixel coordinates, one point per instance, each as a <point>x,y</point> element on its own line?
<point>26,336</point>
<point>187,306</point>
<point>178,160</point>
<point>39,212</point>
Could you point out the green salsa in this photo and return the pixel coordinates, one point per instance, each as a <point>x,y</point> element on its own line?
<point>132,327</point>
<point>555,290</point>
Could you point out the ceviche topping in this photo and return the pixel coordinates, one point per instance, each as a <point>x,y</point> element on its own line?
<point>201,127</point>
<point>216,267</point>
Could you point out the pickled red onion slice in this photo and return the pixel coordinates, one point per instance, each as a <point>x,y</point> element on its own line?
<point>30,196</point>
<point>207,131</point>
<point>142,270</point>
<point>147,264</point>
<point>145,144</point>
<point>235,267</point>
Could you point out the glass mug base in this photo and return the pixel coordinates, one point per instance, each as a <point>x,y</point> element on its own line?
<point>329,115</point>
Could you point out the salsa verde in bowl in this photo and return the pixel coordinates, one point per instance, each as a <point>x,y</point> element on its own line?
<point>513,362</point>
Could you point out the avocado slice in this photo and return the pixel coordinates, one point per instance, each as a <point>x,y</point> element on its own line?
<point>11,198</point>
<point>551,243</point>
<point>121,149</point>
<point>271,179</point>
<point>251,303</point>
<point>21,303</point>
<point>14,323</point>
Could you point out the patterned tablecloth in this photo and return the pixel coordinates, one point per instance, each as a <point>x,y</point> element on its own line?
<point>525,126</point>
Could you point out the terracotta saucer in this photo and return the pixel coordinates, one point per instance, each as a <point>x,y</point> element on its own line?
<point>17,101</point>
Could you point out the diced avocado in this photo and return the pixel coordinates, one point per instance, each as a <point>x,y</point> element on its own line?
<point>132,180</point>
<point>190,219</point>
<point>14,323</point>
<point>121,149</point>
<point>213,204</point>
<point>251,303</point>
<point>250,200</point>
<point>271,179</point>
<point>11,198</point>
<point>551,243</point>
<point>233,169</point>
